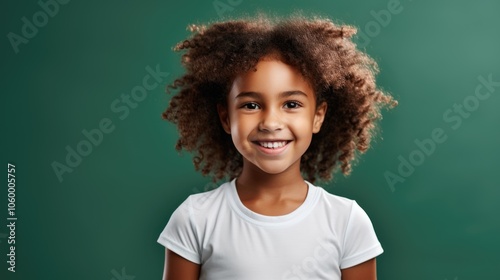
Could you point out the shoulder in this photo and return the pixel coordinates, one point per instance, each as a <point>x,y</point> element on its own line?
<point>335,202</point>
<point>184,230</point>
<point>200,205</point>
<point>196,209</point>
<point>207,199</point>
<point>341,211</point>
<point>353,228</point>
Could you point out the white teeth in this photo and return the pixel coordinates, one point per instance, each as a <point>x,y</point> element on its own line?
<point>273,145</point>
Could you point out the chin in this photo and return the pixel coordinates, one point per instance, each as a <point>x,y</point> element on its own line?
<point>272,168</point>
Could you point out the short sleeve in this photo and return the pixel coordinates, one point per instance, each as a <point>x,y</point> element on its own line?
<point>180,235</point>
<point>360,240</point>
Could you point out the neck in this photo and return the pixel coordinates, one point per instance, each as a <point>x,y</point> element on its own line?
<point>253,183</point>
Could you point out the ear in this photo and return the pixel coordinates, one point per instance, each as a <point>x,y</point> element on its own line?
<point>319,117</point>
<point>224,118</point>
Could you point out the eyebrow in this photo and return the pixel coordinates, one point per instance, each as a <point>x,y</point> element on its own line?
<point>283,94</point>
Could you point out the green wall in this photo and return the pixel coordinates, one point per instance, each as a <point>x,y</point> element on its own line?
<point>431,186</point>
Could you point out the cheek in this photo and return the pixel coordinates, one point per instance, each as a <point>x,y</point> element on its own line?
<point>240,128</point>
<point>302,125</point>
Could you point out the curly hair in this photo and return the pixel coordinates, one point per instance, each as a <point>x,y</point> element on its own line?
<point>324,54</point>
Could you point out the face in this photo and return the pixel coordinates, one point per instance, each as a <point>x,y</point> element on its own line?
<point>271,115</point>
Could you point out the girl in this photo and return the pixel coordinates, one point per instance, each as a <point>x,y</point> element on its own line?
<point>273,105</point>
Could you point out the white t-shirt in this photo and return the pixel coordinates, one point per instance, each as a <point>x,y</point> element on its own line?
<point>324,234</point>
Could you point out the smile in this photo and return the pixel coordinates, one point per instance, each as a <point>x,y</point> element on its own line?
<point>273,145</point>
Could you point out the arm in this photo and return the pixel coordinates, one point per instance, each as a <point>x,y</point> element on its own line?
<point>366,271</point>
<point>178,268</point>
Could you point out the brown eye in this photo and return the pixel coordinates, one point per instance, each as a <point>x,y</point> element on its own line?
<point>251,106</point>
<point>292,105</point>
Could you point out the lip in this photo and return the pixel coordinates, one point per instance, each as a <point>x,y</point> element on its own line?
<point>269,151</point>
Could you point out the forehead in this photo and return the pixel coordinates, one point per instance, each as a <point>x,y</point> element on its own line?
<point>271,75</point>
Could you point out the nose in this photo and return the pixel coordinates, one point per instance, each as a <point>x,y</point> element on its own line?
<point>271,121</point>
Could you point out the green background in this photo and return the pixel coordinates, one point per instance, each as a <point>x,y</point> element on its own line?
<point>103,219</point>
